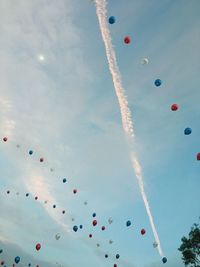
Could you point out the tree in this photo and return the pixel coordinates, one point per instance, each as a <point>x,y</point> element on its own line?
<point>190,247</point>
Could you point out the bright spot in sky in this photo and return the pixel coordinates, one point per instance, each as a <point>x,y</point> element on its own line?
<point>41,58</point>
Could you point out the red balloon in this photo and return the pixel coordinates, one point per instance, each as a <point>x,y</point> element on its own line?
<point>38,246</point>
<point>115,265</point>
<point>103,228</point>
<point>174,107</point>
<point>127,40</point>
<point>198,156</point>
<point>13,265</point>
<point>143,231</point>
<point>41,159</point>
<point>94,222</point>
<point>75,191</point>
<point>5,139</point>
<point>2,262</point>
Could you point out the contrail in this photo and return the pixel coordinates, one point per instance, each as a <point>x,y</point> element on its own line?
<point>123,104</point>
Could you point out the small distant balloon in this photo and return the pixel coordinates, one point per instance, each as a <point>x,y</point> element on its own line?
<point>1,251</point>
<point>29,264</point>
<point>155,244</point>
<point>158,82</point>
<point>36,198</point>
<point>81,226</point>
<point>64,180</point>
<point>57,236</point>
<point>85,203</point>
<point>30,152</point>
<point>164,259</point>
<point>115,265</point>
<point>94,214</point>
<point>98,245</point>
<point>38,246</point>
<point>110,220</point>
<point>144,61</point>
<point>5,139</point>
<point>90,235</point>
<point>187,131</point>
<point>117,256</point>
<point>106,255</point>
<point>41,159</point>
<point>110,241</point>
<point>128,223</point>
<point>63,212</point>
<point>54,206</point>
<point>27,194</point>
<point>46,201</point>
<point>94,222</point>
<point>51,169</point>
<point>17,259</point>
<point>143,231</point>
<point>75,228</point>
<point>75,191</point>
<point>8,192</point>
<point>198,156</point>
<point>103,228</point>
<point>127,40</point>
<point>111,20</point>
<point>2,262</point>
<point>73,219</point>
<point>174,107</point>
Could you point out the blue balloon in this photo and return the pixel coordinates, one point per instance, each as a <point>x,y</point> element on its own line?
<point>187,131</point>
<point>29,264</point>
<point>30,152</point>
<point>164,259</point>
<point>17,259</point>
<point>54,206</point>
<point>94,214</point>
<point>75,228</point>
<point>106,255</point>
<point>158,82</point>
<point>117,256</point>
<point>64,180</point>
<point>81,226</point>
<point>111,20</point>
<point>27,194</point>
<point>128,223</point>
<point>1,251</point>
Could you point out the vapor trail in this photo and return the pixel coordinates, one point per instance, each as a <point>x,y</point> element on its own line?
<point>123,104</point>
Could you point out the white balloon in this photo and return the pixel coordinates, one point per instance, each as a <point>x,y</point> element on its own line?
<point>144,61</point>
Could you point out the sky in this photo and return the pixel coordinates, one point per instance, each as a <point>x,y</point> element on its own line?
<point>57,99</point>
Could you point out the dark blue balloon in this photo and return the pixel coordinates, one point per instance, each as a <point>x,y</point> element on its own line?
<point>158,82</point>
<point>111,20</point>
<point>75,228</point>
<point>164,259</point>
<point>81,226</point>
<point>54,206</point>
<point>29,264</point>
<point>128,223</point>
<point>27,194</point>
<point>187,131</point>
<point>1,251</point>
<point>117,256</point>
<point>17,259</point>
<point>94,214</point>
<point>106,255</point>
<point>30,152</point>
<point>64,180</point>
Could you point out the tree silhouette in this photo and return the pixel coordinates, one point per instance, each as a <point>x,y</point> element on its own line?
<point>190,247</point>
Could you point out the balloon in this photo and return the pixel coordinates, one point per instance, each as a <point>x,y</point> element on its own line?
<point>94,222</point>
<point>1,251</point>
<point>64,180</point>
<point>94,214</point>
<point>75,191</point>
<point>38,246</point>
<point>115,265</point>
<point>29,264</point>
<point>75,228</point>
<point>27,194</point>
<point>143,231</point>
<point>110,220</point>
<point>81,226</point>
<point>110,241</point>
<point>98,245</point>
<point>51,169</point>
<point>90,235</point>
<point>155,244</point>
<point>106,255</point>
<point>198,156</point>
<point>57,236</point>
<point>128,223</point>
<point>54,206</point>
<point>5,139</point>
<point>17,259</point>
<point>117,256</point>
<point>73,219</point>
<point>46,201</point>
<point>8,192</point>
<point>164,259</point>
<point>158,82</point>
<point>41,159</point>
<point>127,40</point>
<point>187,131</point>
<point>174,107</point>
<point>30,152</point>
<point>63,212</point>
<point>85,203</point>
<point>2,262</point>
<point>103,228</point>
<point>36,198</point>
<point>144,61</point>
<point>111,20</point>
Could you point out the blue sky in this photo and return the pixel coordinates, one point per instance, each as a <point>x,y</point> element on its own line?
<point>64,108</point>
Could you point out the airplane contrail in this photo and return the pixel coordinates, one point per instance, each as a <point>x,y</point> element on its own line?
<point>123,104</point>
